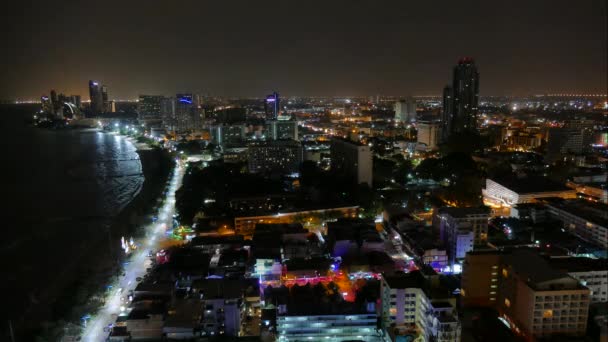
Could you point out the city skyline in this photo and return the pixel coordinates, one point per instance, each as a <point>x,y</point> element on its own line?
<point>338,49</point>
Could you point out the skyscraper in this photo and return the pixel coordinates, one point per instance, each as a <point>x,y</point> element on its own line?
<point>46,104</point>
<point>447,113</point>
<point>462,99</point>
<point>352,160</point>
<point>76,101</point>
<point>187,117</point>
<point>104,97</point>
<point>55,101</point>
<point>149,107</point>
<point>167,112</point>
<point>405,110</point>
<point>428,134</point>
<point>96,98</point>
<point>272,106</point>
<point>282,129</point>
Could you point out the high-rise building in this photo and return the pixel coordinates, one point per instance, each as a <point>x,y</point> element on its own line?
<point>227,135</point>
<point>185,113</point>
<point>414,304</point>
<point>284,156</point>
<point>533,298</point>
<point>167,112</point>
<point>272,106</point>
<point>282,129</point>
<point>563,141</point>
<point>592,273</point>
<point>46,105</point>
<point>95,94</point>
<point>461,229</point>
<point>111,106</point>
<point>460,114</point>
<point>352,160</point>
<point>149,107</point>
<point>54,100</point>
<point>104,99</point>
<point>447,113</point>
<point>539,300</point>
<point>76,101</point>
<point>405,110</point>
<point>429,134</point>
<point>466,95</point>
<point>479,280</point>
<point>232,115</point>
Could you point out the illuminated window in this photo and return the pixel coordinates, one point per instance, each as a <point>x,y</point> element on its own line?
<point>548,313</point>
<point>507,303</point>
<point>505,273</point>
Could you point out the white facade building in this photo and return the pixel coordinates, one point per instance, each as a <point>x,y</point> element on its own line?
<point>429,135</point>
<point>352,159</point>
<point>405,110</point>
<point>508,193</point>
<point>406,303</point>
<point>331,328</point>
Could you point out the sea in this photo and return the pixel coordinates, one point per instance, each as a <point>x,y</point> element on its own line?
<point>61,190</point>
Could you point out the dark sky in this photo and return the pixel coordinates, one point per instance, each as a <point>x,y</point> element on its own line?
<point>330,47</point>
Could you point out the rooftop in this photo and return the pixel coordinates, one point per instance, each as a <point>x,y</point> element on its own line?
<point>574,264</point>
<point>464,212</point>
<point>593,212</point>
<point>530,184</point>
<point>536,271</point>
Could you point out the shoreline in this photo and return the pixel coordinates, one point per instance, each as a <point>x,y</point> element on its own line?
<point>81,283</point>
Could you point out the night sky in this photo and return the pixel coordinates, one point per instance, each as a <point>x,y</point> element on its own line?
<point>248,48</point>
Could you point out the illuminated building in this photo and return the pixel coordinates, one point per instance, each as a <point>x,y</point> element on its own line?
<point>167,112</point>
<point>187,117</point>
<point>480,278</point>
<point>304,314</point>
<point>585,219</point>
<point>46,105</point>
<point>245,225</point>
<point>461,229</point>
<point>149,107</point>
<point>282,129</point>
<point>105,101</point>
<point>536,300</point>
<point>222,300</point>
<point>592,273</point>
<point>533,298</point>
<point>525,141</point>
<point>507,192</point>
<point>429,134</point>
<point>415,305</point>
<point>227,135</point>
<point>96,97</point>
<point>461,99</point>
<point>336,327</point>
<point>76,101</point>
<point>284,156</point>
<point>447,113</point>
<point>405,110</point>
<point>353,160</point>
<point>562,141</point>
<point>272,106</point>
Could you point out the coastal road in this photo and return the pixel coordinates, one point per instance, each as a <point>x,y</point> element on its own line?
<point>117,298</point>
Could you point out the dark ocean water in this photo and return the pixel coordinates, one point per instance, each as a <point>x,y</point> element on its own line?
<point>61,190</point>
